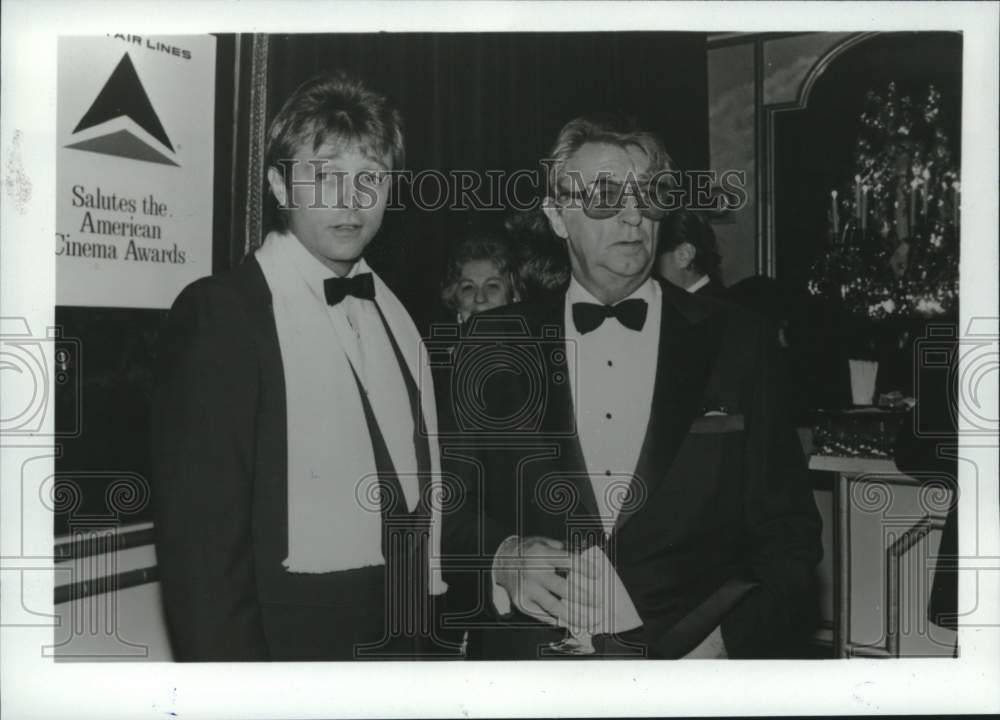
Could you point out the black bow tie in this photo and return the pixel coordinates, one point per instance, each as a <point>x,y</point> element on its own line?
<point>630,313</point>
<point>360,286</point>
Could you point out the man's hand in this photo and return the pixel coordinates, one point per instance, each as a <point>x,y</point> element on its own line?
<point>595,581</point>
<point>533,571</point>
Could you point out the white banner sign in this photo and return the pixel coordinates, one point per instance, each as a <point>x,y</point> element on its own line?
<point>134,168</point>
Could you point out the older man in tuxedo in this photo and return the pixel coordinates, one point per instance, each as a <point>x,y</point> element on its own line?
<point>637,421</point>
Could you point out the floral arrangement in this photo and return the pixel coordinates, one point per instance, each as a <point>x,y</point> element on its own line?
<point>894,226</point>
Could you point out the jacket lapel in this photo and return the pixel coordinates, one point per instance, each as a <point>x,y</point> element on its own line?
<point>271,454</point>
<point>689,344</point>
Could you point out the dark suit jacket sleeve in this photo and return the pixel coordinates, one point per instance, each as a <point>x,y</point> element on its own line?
<point>203,450</point>
<point>781,523</point>
<point>474,526</point>
<point>472,532</point>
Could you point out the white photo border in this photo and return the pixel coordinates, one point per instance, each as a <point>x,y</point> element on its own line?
<point>36,686</point>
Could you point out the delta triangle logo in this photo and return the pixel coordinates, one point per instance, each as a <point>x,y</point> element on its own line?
<point>124,96</point>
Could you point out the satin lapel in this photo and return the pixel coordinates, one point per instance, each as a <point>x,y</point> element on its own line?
<point>559,424</point>
<point>688,347</point>
<point>260,313</point>
<point>274,464</point>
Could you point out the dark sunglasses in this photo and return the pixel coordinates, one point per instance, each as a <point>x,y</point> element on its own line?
<point>606,199</point>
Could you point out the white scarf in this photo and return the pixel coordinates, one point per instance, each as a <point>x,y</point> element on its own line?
<point>334,510</point>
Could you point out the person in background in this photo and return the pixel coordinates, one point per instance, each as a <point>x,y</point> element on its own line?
<point>480,274</point>
<point>688,255</point>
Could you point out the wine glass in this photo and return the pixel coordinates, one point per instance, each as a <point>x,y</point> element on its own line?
<point>577,639</point>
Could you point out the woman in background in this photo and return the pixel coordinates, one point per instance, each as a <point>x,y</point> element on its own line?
<point>688,255</point>
<point>480,275</point>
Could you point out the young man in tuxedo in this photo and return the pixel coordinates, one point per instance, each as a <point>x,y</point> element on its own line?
<point>631,416</point>
<point>293,474</point>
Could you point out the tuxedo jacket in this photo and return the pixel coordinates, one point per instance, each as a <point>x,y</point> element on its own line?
<point>720,525</point>
<point>220,490</point>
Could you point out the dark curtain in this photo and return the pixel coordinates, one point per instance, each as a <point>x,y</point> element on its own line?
<point>495,101</point>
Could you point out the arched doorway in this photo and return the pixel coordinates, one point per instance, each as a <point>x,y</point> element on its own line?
<point>813,146</point>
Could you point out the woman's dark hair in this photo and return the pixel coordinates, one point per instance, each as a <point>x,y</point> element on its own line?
<point>684,226</point>
<point>543,263</point>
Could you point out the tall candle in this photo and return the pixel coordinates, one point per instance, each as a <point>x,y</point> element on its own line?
<point>857,197</point>
<point>864,209</point>
<point>957,187</point>
<point>923,192</point>
<point>833,209</point>
<point>899,214</point>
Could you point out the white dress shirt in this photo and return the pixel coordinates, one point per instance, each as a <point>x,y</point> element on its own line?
<point>612,375</point>
<point>612,372</point>
<point>363,337</point>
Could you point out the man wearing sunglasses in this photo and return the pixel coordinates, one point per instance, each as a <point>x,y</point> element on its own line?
<point>630,478</point>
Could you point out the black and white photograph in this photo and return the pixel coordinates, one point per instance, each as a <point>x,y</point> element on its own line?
<point>480,359</point>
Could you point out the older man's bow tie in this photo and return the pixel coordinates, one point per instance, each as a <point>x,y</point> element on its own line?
<point>360,286</point>
<point>630,313</point>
